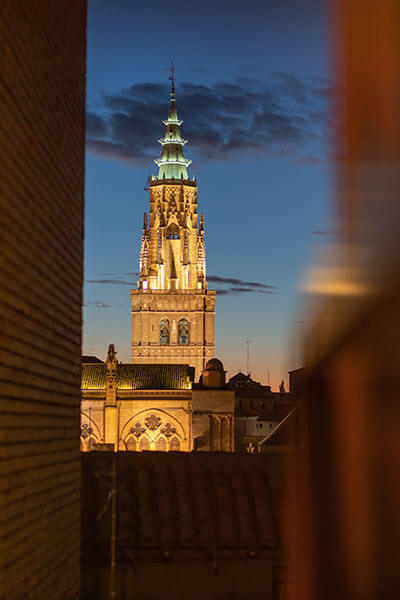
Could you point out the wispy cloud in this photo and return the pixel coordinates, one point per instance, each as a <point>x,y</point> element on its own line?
<point>100,304</point>
<point>234,291</point>
<point>324,231</point>
<point>308,160</point>
<point>239,282</point>
<point>115,278</point>
<point>222,121</point>
<point>235,286</point>
<point>240,286</point>
<point>115,281</point>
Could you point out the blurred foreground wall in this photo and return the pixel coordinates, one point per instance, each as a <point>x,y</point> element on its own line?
<point>348,515</point>
<point>42,98</point>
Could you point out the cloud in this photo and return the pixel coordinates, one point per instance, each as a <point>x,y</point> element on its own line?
<point>236,286</point>
<point>308,160</point>
<point>98,304</point>
<point>114,278</point>
<point>115,281</point>
<point>101,304</point>
<point>120,275</point>
<point>224,121</point>
<point>324,231</point>
<point>240,282</point>
<point>234,291</point>
<point>240,286</point>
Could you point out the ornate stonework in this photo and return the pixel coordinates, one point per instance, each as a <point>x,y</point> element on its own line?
<point>172,309</point>
<point>154,407</point>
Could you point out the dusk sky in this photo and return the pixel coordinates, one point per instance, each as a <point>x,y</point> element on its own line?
<point>253,88</point>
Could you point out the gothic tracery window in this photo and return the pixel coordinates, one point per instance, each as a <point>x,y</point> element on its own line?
<point>183,331</point>
<point>164,332</point>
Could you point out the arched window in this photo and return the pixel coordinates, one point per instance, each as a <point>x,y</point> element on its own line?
<point>144,443</point>
<point>183,331</point>
<point>164,332</point>
<point>173,233</point>
<point>161,444</point>
<point>174,444</point>
<point>131,444</point>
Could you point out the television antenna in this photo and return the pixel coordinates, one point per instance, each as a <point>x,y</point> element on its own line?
<point>248,342</point>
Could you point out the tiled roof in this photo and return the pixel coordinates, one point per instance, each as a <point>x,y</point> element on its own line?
<point>180,500</point>
<point>153,377</point>
<point>138,377</point>
<point>93,376</point>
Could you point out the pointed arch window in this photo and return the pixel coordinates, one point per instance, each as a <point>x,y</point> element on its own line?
<point>183,332</point>
<point>164,332</point>
<point>131,444</point>
<point>144,443</point>
<point>161,444</point>
<point>174,444</point>
<point>173,233</point>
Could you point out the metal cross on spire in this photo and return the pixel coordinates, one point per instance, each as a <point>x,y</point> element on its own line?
<point>172,70</point>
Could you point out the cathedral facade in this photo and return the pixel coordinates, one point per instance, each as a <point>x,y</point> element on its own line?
<point>172,309</point>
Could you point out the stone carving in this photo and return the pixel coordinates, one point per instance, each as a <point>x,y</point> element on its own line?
<point>168,430</point>
<point>137,430</point>
<point>86,431</point>
<point>152,422</point>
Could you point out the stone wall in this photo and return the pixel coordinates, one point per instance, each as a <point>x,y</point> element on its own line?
<point>213,420</point>
<point>151,306</point>
<point>42,107</point>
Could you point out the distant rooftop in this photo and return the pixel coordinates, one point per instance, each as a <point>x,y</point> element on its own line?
<point>91,359</point>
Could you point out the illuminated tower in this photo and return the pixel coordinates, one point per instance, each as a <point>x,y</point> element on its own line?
<point>172,309</point>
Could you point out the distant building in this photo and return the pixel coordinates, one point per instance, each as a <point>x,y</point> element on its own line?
<point>140,407</point>
<point>259,412</point>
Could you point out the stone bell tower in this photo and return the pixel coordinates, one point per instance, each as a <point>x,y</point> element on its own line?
<point>172,309</point>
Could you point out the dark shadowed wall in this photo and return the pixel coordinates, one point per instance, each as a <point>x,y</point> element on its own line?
<point>347,509</point>
<point>42,100</point>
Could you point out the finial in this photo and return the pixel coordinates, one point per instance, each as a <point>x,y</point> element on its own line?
<point>111,353</point>
<point>172,69</point>
<point>201,227</point>
<point>145,221</point>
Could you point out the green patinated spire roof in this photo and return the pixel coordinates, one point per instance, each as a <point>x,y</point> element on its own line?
<point>172,164</point>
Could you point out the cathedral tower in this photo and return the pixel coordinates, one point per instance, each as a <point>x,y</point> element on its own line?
<point>172,309</point>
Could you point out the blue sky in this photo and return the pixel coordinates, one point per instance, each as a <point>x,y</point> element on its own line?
<point>253,88</point>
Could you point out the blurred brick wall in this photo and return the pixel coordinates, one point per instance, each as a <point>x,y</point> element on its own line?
<point>42,98</point>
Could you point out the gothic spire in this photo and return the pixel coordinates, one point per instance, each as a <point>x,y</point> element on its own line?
<point>172,164</point>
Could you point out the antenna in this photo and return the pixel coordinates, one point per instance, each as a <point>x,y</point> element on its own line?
<point>269,378</point>
<point>248,357</point>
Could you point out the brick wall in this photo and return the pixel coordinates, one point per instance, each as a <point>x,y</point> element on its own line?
<point>42,96</point>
